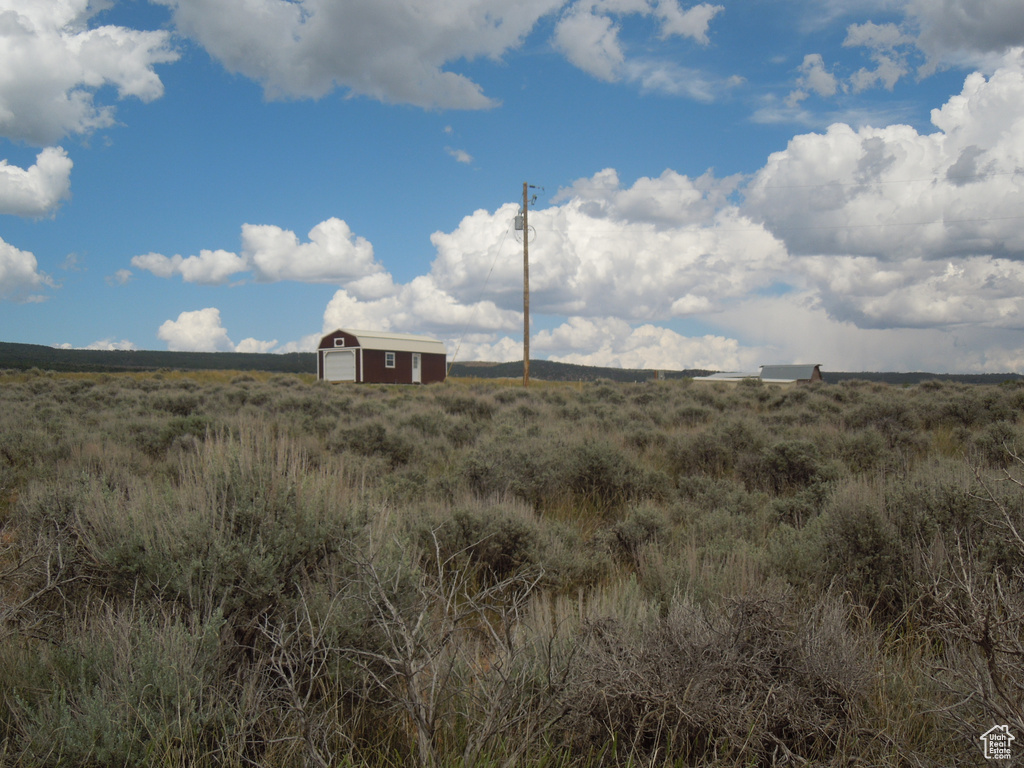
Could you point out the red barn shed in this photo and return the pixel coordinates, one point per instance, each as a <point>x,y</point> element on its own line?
<point>376,357</point>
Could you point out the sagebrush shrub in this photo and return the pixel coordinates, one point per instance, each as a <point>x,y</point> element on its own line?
<point>643,525</point>
<point>743,681</point>
<point>701,453</point>
<point>605,476</point>
<point>785,467</point>
<point>131,685</point>
<point>865,551</point>
<point>894,419</point>
<point>373,438</point>
<point>495,539</point>
<point>217,570</point>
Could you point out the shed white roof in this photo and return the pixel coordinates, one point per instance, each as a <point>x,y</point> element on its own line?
<point>397,342</point>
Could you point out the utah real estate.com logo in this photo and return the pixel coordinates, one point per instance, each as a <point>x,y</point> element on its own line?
<point>997,742</point>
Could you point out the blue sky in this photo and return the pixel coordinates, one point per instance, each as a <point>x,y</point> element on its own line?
<point>720,185</point>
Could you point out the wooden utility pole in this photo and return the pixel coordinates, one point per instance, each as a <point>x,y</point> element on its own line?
<point>526,288</point>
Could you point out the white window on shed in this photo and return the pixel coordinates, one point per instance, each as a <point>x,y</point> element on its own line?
<point>389,359</point>
<point>339,341</point>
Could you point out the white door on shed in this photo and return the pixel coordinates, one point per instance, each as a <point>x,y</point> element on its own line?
<point>417,375</point>
<point>340,365</point>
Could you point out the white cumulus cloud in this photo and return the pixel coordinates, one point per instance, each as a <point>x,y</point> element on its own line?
<point>955,31</point>
<point>401,51</point>
<point>460,155</point>
<point>610,342</point>
<point>891,228</point>
<point>197,331</point>
<point>916,293</point>
<point>590,35</point>
<point>108,345</point>
<point>615,260</point>
<point>855,247</point>
<point>54,65</point>
<point>660,248</point>
<point>333,254</point>
<point>693,22</point>
<point>814,77</point>
<point>201,330</point>
<point>255,345</point>
<point>932,35</point>
<point>208,268</point>
<point>591,42</point>
<point>120,277</point>
<point>391,50</point>
<point>851,247</point>
<point>419,304</point>
<point>894,193</point>
<point>39,189</point>
<point>19,274</point>
<point>614,343</point>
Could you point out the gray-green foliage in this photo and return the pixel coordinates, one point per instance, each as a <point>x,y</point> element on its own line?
<point>230,570</point>
<point>121,688</point>
<point>745,681</point>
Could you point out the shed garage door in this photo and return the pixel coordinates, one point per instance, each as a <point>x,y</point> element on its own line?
<point>340,365</point>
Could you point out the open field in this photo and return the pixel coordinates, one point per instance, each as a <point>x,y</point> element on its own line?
<point>23,357</point>
<point>224,569</point>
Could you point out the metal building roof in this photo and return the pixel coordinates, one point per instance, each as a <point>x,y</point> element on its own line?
<point>804,372</point>
<point>770,374</point>
<point>397,342</point>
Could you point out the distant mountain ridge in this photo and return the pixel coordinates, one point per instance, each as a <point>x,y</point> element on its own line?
<point>24,356</point>
<point>548,370</point>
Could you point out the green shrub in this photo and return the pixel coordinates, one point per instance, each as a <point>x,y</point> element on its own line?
<point>497,540</point>
<point>217,572</point>
<point>997,443</point>
<point>234,531</point>
<point>891,417</point>
<point>177,404</point>
<point>865,552</point>
<point>692,415</point>
<point>798,508</point>
<point>155,437</point>
<point>643,525</point>
<point>727,684</point>
<point>372,438</point>
<point>702,454</point>
<point>864,450</point>
<point>785,467</point>
<point>797,555</point>
<point>508,462</point>
<point>965,406</point>
<point>123,688</point>
<point>475,407</point>
<point>605,477</point>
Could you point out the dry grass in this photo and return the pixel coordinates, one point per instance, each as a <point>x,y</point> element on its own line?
<point>229,569</point>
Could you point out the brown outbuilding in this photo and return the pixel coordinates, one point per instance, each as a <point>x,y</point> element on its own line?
<point>376,357</point>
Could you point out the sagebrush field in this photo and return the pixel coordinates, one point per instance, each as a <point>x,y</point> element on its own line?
<point>220,569</point>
